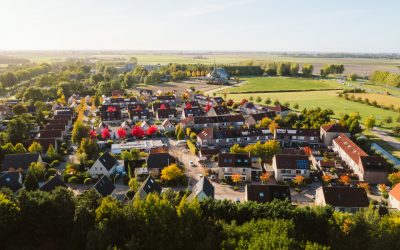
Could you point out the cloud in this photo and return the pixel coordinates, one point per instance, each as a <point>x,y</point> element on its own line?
<point>210,8</point>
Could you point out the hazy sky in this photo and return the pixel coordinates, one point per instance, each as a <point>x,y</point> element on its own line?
<point>245,25</point>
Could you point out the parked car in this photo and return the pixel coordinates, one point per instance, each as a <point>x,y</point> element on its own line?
<point>191,163</point>
<point>213,177</point>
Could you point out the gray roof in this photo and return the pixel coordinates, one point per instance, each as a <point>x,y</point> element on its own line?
<point>52,183</point>
<point>19,161</point>
<point>148,186</point>
<point>107,160</point>
<point>10,180</point>
<point>104,186</point>
<point>159,160</point>
<point>202,185</point>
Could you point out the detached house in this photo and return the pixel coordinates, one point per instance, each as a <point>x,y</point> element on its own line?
<point>218,111</point>
<point>344,198</point>
<point>104,165</point>
<point>329,132</point>
<point>148,186</point>
<point>202,190</point>
<point>371,169</point>
<point>104,186</point>
<point>230,164</point>
<point>266,193</point>
<point>158,159</point>
<point>286,166</point>
<point>166,126</point>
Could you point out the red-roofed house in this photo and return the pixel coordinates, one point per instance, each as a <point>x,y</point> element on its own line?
<point>371,169</point>
<point>329,132</point>
<point>394,197</point>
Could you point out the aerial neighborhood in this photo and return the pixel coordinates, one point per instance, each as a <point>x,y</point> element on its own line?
<point>115,136</point>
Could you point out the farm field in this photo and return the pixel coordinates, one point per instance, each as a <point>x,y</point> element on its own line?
<point>258,84</point>
<point>385,100</point>
<point>352,65</point>
<point>324,100</point>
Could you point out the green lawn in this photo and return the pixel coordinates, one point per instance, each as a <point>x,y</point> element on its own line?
<point>324,100</point>
<point>283,83</point>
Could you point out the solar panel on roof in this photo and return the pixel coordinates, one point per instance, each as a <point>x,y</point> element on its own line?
<point>302,164</point>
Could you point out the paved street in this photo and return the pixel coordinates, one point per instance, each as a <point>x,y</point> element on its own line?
<point>387,138</point>
<point>194,173</point>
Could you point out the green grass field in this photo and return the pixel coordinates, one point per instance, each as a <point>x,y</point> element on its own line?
<point>324,100</point>
<point>283,83</point>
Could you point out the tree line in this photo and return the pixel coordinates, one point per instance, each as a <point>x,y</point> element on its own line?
<point>58,219</point>
<point>384,77</point>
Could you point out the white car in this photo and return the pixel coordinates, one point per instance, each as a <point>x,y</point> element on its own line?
<point>213,177</point>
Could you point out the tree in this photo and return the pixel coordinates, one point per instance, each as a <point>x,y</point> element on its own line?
<point>35,147</point>
<point>180,135</point>
<point>121,132</point>
<point>8,79</point>
<point>265,177</point>
<point>105,133</point>
<point>265,122</point>
<point>236,178</point>
<point>369,122</point>
<point>345,179</point>
<point>137,131</point>
<point>171,173</point>
<point>273,126</point>
<point>18,129</point>
<point>307,151</point>
<point>79,132</point>
<point>151,130</point>
<point>31,182</point>
<point>307,70</point>
<point>298,180</point>
<point>19,148</point>
<point>236,149</point>
<point>9,213</point>
<point>294,69</point>
<point>394,178</point>
<point>326,178</point>
<point>19,109</point>
<point>51,152</point>
<point>388,119</point>
<point>133,185</point>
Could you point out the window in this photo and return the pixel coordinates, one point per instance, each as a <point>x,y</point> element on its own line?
<point>237,139</point>
<point>261,194</point>
<point>298,171</point>
<point>244,170</point>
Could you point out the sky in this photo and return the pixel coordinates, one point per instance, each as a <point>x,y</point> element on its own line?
<point>212,25</point>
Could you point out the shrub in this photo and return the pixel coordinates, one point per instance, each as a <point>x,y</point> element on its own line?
<point>54,163</point>
<point>87,181</point>
<point>73,180</point>
<point>51,172</point>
